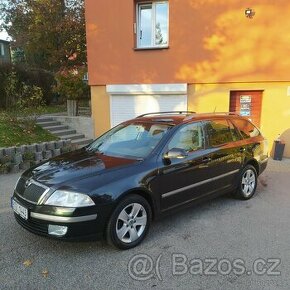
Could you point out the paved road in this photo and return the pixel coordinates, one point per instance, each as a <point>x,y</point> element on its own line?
<point>221,229</point>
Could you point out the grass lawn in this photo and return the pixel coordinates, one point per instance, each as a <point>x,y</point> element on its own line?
<point>54,109</point>
<point>15,136</point>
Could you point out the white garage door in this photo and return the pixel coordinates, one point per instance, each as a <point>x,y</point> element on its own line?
<point>125,107</point>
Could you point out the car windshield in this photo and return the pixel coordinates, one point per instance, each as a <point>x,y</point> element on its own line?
<point>134,140</point>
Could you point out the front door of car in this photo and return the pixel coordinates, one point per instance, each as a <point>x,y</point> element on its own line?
<point>181,177</point>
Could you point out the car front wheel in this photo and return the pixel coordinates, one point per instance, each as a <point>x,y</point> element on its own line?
<point>129,222</point>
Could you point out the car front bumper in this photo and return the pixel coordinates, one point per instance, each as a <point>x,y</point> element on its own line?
<point>80,223</point>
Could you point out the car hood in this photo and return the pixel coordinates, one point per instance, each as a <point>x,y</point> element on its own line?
<point>76,165</point>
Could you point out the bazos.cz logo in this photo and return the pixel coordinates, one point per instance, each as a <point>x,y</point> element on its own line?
<point>142,267</point>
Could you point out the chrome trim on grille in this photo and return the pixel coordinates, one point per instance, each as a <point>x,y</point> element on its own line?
<point>21,197</point>
<point>32,181</point>
<point>62,219</point>
<point>44,193</point>
<point>164,195</point>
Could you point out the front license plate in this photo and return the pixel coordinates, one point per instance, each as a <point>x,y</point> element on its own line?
<point>19,209</point>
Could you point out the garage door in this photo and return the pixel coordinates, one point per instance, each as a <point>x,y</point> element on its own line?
<point>125,107</point>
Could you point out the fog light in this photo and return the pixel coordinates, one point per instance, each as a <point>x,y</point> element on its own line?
<point>55,230</point>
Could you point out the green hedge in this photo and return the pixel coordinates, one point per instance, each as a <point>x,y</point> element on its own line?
<point>33,77</point>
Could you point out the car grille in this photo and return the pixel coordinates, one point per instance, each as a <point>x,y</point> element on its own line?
<point>20,187</point>
<point>32,193</point>
<point>32,225</point>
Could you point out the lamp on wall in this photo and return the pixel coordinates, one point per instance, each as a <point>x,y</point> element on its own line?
<point>250,13</point>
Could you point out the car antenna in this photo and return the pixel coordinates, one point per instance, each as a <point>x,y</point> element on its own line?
<point>214,109</point>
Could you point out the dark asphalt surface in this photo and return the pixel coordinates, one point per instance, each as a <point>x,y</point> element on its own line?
<point>220,229</point>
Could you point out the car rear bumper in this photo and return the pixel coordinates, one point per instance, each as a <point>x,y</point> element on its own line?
<point>263,164</point>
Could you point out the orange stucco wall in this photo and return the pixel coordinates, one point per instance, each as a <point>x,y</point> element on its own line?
<point>213,48</point>
<point>210,41</point>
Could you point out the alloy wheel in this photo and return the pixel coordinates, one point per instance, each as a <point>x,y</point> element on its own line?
<point>131,223</point>
<point>248,182</point>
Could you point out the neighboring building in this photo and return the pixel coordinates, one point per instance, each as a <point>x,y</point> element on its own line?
<point>200,55</point>
<point>5,54</point>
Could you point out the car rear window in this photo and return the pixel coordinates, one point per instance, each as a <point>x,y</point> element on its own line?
<point>246,128</point>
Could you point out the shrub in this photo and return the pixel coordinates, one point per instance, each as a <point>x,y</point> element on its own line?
<point>12,78</point>
<point>25,104</point>
<point>70,84</point>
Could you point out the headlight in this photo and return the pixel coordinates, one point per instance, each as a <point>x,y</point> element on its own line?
<point>69,199</point>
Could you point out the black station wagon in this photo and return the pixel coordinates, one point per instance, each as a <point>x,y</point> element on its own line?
<point>138,171</point>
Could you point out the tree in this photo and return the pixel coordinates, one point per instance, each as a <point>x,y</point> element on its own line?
<point>50,33</point>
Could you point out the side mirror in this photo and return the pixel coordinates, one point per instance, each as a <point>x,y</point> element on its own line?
<point>175,153</point>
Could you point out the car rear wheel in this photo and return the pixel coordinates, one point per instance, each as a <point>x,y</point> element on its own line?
<point>129,222</point>
<point>247,183</point>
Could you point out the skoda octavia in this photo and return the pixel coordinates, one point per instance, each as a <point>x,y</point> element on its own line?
<point>139,171</point>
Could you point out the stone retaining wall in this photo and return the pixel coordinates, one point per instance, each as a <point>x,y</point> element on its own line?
<point>13,159</point>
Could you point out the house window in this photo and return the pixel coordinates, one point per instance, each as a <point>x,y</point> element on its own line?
<point>152,24</point>
<point>2,52</point>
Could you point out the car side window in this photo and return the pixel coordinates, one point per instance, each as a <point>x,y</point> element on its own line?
<point>235,134</point>
<point>189,138</point>
<point>246,128</point>
<point>219,132</point>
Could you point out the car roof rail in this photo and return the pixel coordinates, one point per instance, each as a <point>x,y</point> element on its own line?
<point>218,113</point>
<point>211,113</point>
<point>167,113</point>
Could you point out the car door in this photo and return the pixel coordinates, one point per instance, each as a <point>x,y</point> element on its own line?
<point>182,180</point>
<point>226,153</point>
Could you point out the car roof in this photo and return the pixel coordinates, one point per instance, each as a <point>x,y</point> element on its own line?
<point>176,118</point>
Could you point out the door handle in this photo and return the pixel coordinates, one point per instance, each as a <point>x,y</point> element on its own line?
<point>242,149</point>
<point>206,159</point>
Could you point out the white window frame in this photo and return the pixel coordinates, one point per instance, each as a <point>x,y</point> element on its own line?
<point>153,24</point>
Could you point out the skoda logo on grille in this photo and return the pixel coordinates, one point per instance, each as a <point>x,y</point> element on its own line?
<point>28,182</point>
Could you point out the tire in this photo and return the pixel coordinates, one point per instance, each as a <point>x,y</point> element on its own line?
<point>247,183</point>
<point>129,222</point>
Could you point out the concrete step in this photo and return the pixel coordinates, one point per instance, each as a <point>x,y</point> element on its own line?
<point>64,131</point>
<point>56,128</point>
<point>82,141</point>
<point>44,119</point>
<point>73,136</point>
<point>61,133</point>
<point>48,124</point>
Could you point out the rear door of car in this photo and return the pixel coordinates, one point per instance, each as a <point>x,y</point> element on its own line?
<point>226,153</point>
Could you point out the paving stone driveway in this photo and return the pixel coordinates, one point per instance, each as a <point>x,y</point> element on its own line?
<point>222,231</point>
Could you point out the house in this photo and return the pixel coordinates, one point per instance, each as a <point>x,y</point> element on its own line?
<point>199,55</point>
<point>5,54</point>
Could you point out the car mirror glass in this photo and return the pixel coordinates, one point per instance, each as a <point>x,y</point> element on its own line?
<point>175,153</point>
